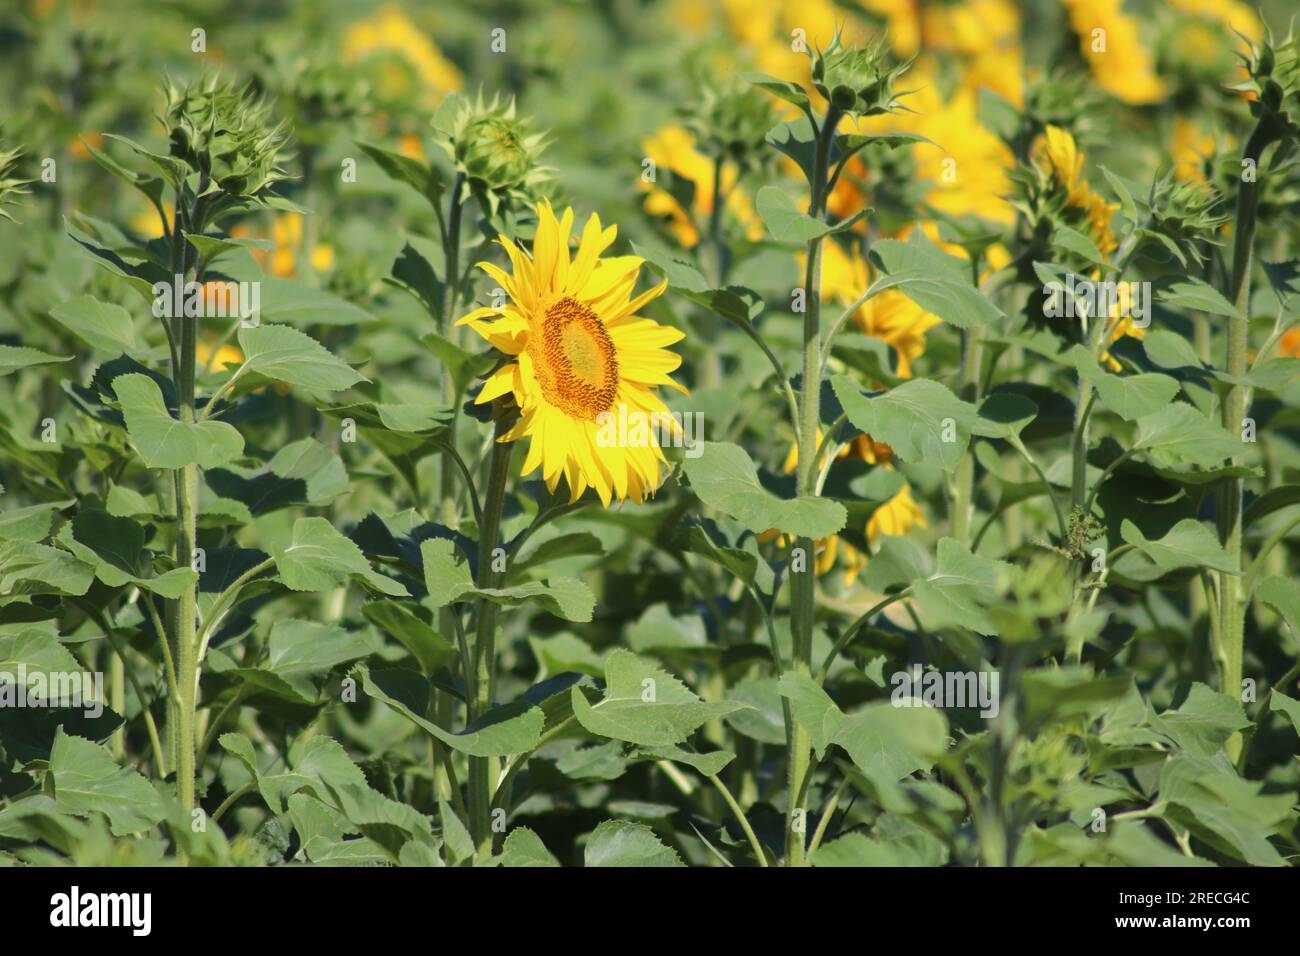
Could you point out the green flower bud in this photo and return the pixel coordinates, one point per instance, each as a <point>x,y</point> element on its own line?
<point>11,187</point>
<point>1274,69</point>
<point>492,147</point>
<point>859,82</point>
<point>223,132</point>
<point>1187,213</point>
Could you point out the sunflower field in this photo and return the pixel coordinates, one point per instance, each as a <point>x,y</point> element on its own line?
<point>650,433</point>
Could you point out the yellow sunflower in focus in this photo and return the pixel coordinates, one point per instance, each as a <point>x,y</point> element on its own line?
<point>1120,324</point>
<point>1058,153</point>
<point>583,358</point>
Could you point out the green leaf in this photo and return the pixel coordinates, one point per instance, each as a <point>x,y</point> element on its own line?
<point>449,582</point>
<point>961,590</point>
<point>296,304</point>
<point>426,180</point>
<point>1179,434</point>
<point>523,847</point>
<point>32,523</point>
<point>508,729</point>
<point>1128,396</point>
<point>1203,722</point>
<point>15,357</point>
<point>30,568</point>
<point>783,218</point>
<point>1283,596</point>
<point>620,843</point>
<point>1231,814</point>
<point>287,355</point>
<point>164,442</point>
<point>86,780</point>
<point>726,479</point>
<point>905,845</point>
<point>882,737</point>
<point>934,280</point>
<point>320,558</point>
<point>790,92</point>
<point>921,420</point>
<point>303,652</point>
<point>1004,415</point>
<point>1275,499</point>
<point>103,325</point>
<point>1194,294</point>
<point>1170,350</point>
<point>644,704</point>
<point>397,620</point>
<point>1188,544</point>
<point>38,652</point>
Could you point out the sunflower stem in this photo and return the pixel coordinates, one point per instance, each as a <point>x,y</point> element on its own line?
<point>1232,596</point>
<point>447,467</point>
<point>803,583</point>
<point>480,768</point>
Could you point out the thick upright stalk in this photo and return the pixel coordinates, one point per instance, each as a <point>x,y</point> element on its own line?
<point>185,612</point>
<point>1232,598</point>
<point>480,775</point>
<point>803,583</point>
<point>439,702</point>
<point>964,478</point>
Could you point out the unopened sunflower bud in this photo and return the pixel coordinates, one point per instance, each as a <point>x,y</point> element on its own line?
<point>224,132</point>
<point>1187,213</point>
<point>492,146</point>
<point>1274,69</point>
<point>859,82</point>
<point>11,187</point>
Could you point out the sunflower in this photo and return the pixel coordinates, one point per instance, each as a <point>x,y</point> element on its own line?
<point>674,148</point>
<point>1059,154</point>
<point>582,356</point>
<point>1110,40</point>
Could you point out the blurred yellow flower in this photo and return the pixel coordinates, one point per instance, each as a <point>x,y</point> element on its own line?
<point>78,146</point>
<point>1057,152</point>
<point>890,316</point>
<point>1230,13</point>
<point>1119,63</point>
<point>672,148</point>
<point>282,261</point>
<point>1190,147</point>
<point>897,517</point>
<point>1289,345</point>
<point>390,30</point>
<point>215,358</point>
<point>966,169</point>
<point>149,224</point>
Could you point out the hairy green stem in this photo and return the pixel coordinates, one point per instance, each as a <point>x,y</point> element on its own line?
<point>480,768</point>
<point>1232,595</point>
<point>803,583</point>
